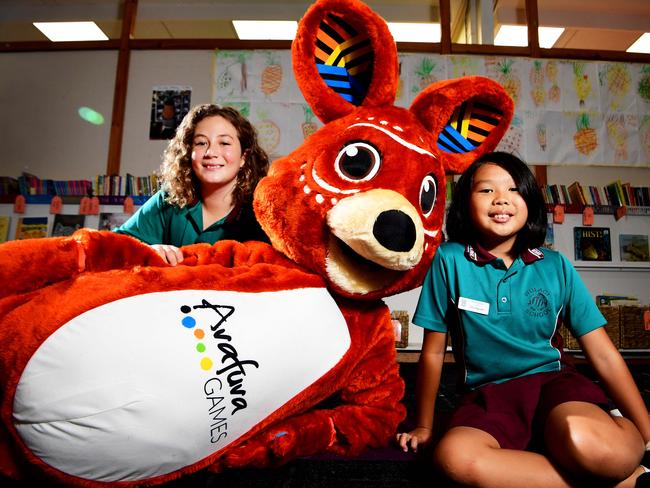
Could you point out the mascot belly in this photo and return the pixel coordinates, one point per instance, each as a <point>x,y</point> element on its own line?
<point>148,384</point>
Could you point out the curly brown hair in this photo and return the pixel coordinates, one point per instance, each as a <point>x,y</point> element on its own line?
<point>178,179</point>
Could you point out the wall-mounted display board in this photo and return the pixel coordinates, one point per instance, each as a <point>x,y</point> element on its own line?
<point>568,112</point>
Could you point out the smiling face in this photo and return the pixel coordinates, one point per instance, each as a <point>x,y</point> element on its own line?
<point>216,154</point>
<point>497,209</point>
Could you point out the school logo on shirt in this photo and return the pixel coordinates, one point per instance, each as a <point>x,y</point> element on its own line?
<point>537,304</point>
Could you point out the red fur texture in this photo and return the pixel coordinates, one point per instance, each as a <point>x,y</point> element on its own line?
<point>355,213</point>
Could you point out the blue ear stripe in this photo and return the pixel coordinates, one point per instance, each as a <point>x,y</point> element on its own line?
<point>469,125</point>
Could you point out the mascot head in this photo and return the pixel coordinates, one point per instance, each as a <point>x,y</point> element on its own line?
<point>361,202</point>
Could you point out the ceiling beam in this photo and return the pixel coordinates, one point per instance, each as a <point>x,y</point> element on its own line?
<point>121,84</point>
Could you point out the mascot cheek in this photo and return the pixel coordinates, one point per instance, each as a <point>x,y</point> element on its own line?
<point>149,384</point>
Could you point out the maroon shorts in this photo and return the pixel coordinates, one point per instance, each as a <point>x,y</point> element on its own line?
<point>514,412</point>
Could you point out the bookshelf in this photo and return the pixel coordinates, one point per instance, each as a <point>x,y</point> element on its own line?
<point>43,210</point>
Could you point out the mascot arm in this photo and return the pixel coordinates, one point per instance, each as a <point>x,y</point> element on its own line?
<point>28,265</point>
<point>368,414</point>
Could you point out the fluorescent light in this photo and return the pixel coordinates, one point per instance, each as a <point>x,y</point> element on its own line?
<point>548,36</point>
<point>415,31</point>
<point>517,35</point>
<point>265,29</point>
<point>71,31</point>
<point>641,45</point>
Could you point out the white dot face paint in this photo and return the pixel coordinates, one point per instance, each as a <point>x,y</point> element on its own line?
<point>319,198</point>
<point>306,189</point>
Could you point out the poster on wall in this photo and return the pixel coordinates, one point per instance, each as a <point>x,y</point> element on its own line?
<point>169,104</point>
<point>567,112</point>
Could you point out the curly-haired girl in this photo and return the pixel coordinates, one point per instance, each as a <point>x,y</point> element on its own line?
<point>210,170</point>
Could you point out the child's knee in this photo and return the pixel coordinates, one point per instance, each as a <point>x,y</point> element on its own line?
<point>459,461</point>
<point>588,447</point>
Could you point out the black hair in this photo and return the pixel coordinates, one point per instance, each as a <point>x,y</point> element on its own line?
<point>460,227</point>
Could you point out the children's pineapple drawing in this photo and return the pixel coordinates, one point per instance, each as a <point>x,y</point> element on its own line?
<point>227,78</point>
<point>617,135</point>
<point>268,133</point>
<point>618,83</point>
<point>581,82</point>
<point>271,78</point>
<point>509,80</point>
<point>541,136</point>
<point>643,88</point>
<point>551,73</point>
<point>424,73</point>
<point>308,126</point>
<point>513,137</point>
<point>537,92</point>
<point>585,139</point>
<point>644,136</point>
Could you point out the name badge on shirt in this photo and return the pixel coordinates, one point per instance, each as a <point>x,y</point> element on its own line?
<point>473,305</point>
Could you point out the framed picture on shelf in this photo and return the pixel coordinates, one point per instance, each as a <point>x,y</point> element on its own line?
<point>111,220</point>
<point>400,319</point>
<point>66,224</point>
<point>31,228</point>
<point>634,247</point>
<point>592,243</point>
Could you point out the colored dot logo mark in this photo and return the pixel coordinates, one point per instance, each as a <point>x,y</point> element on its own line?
<point>189,322</point>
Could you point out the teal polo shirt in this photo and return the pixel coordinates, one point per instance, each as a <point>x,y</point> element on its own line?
<point>158,222</point>
<point>504,322</point>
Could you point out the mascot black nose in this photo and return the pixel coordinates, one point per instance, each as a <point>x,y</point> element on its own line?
<point>394,230</point>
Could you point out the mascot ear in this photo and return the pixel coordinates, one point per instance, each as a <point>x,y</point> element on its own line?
<point>344,57</point>
<point>468,117</point>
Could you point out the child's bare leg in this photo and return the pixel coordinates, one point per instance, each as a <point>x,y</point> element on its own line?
<point>473,457</point>
<point>585,440</point>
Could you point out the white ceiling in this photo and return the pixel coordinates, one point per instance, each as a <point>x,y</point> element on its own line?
<point>591,24</point>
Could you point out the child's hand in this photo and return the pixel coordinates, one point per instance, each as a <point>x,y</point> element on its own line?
<point>420,436</point>
<point>171,254</point>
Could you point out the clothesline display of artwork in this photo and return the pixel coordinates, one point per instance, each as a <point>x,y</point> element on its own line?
<point>568,112</point>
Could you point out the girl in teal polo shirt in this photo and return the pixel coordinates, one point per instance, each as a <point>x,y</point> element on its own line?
<point>209,172</point>
<point>526,418</point>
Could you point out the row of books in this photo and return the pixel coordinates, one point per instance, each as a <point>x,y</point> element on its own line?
<point>103,185</point>
<point>594,244</point>
<point>615,194</point>
<point>117,185</point>
<point>29,184</point>
<point>62,225</point>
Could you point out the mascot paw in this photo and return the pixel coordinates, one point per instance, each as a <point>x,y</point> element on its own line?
<point>270,448</point>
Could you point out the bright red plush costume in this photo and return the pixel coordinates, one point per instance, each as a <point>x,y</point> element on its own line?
<point>117,368</point>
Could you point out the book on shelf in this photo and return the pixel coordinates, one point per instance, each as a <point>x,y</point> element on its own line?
<point>616,300</point>
<point>592,243</point>
<point>66,224</point>
<point>576,193</point>
<point>112,220</point>
<point>31,227</point>
<point>634,247</point>
<point>549,240</point>
<point>5,222</point>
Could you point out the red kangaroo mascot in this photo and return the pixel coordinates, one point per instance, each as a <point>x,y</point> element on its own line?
<point>117,368</point>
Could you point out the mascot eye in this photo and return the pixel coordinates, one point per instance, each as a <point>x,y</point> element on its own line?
<point>428,193</point>
<point>357,161</point>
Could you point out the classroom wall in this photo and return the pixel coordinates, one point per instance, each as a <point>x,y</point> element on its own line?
<point>40,128</point>
<point>194,68</point>
<point>41,131</point>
